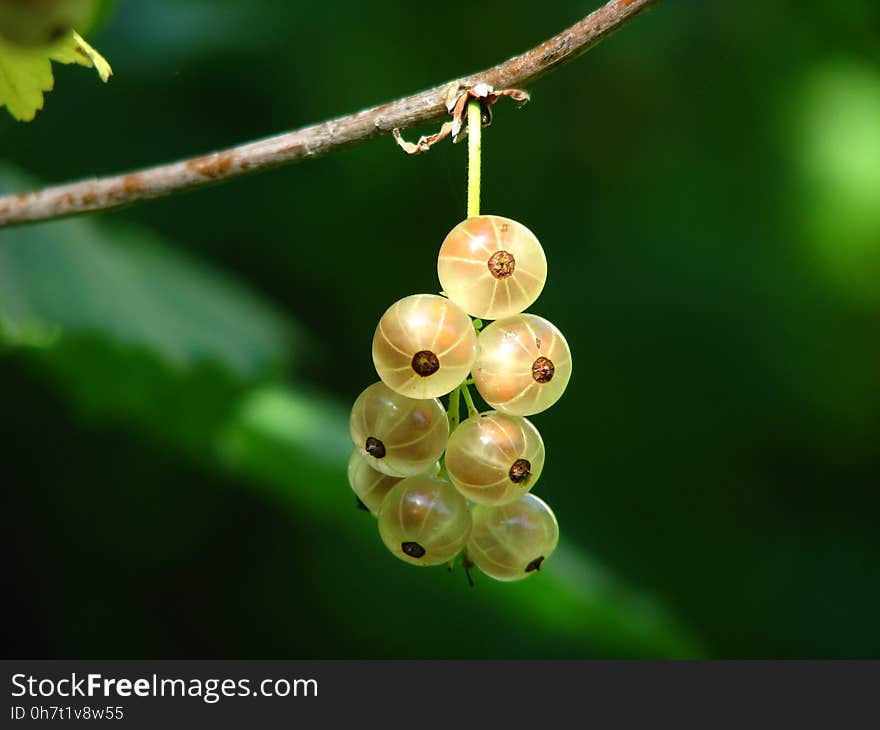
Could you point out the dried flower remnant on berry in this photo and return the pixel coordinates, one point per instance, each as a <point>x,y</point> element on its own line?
<point>375,448</point>
<point>543,369</point>
<point>425,363</point>
<point>413,549</point>
<point>535,564</point>
<point>520,471</point>
<point>502,264</point>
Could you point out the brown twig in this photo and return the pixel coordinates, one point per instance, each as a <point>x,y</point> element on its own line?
<point>315,140</point>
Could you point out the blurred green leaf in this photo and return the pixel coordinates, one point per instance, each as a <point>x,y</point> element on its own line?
<point>74,277</point>
<point>38,22</point>
<point>835,120</point>
<point>136,334</point>
<point>294,444</point>
<point>289,439</point>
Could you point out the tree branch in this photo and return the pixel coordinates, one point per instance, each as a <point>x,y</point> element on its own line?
<point>312,141</point>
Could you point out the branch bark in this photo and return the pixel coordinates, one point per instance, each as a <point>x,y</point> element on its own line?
<point>312,141</point>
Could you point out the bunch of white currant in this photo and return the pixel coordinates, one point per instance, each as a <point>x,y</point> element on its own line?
<point>476,499</point>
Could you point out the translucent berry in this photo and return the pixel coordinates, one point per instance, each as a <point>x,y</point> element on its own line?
<point>494,458</point>
<point>424,520</point>
<point>424,346</point>
<point>511,541</point>
<point>523,364</point>
<point>398,436</point>
<point>370,485</point>
<point>492,267</point>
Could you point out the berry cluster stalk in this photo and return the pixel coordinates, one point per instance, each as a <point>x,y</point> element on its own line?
<point>469,401</point>
<point>452,410</point>
<point>475,128</point>
<point>475,149</point>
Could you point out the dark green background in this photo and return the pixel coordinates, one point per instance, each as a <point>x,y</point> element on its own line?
<point>175,376</point>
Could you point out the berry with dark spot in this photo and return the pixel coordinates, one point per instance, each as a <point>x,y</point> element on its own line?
<point>424,520</point>
<point>479,457</point>
<point>506,538</point>
<point>399,436</point>
<point>424,346</point>
<point>523,364</point>
<point>492,267</point>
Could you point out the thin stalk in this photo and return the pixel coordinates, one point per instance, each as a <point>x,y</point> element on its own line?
<point>469,401</point>
<point>475,129</point>
<point>452,410</point>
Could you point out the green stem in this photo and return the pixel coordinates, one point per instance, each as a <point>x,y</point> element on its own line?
<point>475,128</point>
<point>469,401</point>
<point>475,148</point>
<point>452,411</point>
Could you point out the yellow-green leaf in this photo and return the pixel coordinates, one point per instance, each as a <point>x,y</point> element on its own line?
<point>26,73</point>
<point>24,76</point>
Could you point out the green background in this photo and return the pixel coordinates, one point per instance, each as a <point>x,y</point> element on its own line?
<point>176,376</point>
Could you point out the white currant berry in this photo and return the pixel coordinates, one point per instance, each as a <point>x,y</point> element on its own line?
<point>399,436</point>
<point>424,520</point>
<point>523,364</point>
<point>370,485</point>
<point>511,541</point>
<point>494,458</point>
<point>492,267</point>
<point>424,346</point>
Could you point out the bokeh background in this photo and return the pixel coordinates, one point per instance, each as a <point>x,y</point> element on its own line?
<point>176,376</point>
